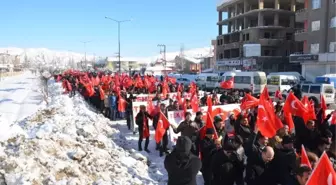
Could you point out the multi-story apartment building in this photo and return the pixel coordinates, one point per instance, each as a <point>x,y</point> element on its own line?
<point>268,23</point>
<point>316,37</point>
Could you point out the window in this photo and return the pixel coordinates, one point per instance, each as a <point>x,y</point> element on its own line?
<point>238,79</point>
<point>247,36</point>
<point>315,25</point>
<point>228,78</point>
<point>305,88</point>
<point>314,89</point>
<point>316,4</point>
<point>314,48</point>
<point>328,90</point>
<point>332,47</point>
<point>274,80</point>
<point>333,22</point>
<point>242,79</point>
<point>259,80</point>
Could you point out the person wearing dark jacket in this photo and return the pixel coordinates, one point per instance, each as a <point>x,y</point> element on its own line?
<point>283,171</point>
<point>141,120</point>
<point>257,168</point>
<point>228,164</point>
<point>198,120</point>
<point>242,127</point>
<point>129,111</point>
<point>182,166</point>
<point>301,176</point>
<point>208,148</point>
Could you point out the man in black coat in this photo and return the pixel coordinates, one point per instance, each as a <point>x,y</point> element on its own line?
<point>208,149</point>
<point>141,120</point>
<point>301,176</point>
<point>227,164</point>
<point>182,166</point>
<point>284,163</point>
<point>257,171</point>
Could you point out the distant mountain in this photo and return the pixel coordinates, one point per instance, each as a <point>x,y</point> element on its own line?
<point>44,55</point>
<point>38,56</point>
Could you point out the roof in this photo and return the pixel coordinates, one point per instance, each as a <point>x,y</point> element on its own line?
<point>190,59</point>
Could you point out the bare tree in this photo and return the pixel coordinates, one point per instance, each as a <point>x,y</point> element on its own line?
<point>45,76</point>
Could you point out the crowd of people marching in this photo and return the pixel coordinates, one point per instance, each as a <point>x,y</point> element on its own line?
<point>263,144</point>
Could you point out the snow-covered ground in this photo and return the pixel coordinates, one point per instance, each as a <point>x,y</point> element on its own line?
<point>19,98</point>
<point>67,143</point>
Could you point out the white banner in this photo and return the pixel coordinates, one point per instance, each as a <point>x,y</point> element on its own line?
<point>144,97</point>
<point>176,117</point>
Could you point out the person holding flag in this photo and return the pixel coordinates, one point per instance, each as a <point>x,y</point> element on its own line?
<point>141,120</point>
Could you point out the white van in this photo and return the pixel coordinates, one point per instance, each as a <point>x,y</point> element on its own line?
<point>204,78</point>
<point>291,73</point>
<point>252,80</point>
<point>280,82</point>
<point>313,91</point>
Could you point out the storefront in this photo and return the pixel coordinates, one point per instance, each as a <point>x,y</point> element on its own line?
<point>315,65</point>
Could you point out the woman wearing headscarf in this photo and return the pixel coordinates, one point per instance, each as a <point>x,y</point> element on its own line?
<point>182,166</point>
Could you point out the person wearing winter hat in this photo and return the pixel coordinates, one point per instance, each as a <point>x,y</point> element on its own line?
<point>181,165</point>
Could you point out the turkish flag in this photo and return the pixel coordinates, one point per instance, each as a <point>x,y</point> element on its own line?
<point>218,111</point>
<point>208,124</point>
<point>161,127</point>
<point>304,158</point>
<point>278,94</point>
<point>309,105</point>
<point>228,84</point>
<point>101,93</point>
<point>324,173</point>
<point>194,103</point>
<point>121,104</point>
<point>150,107</point>
<point>333,118</point>
<point>209,104</point>
<point>248,102</point>
<point>295,106</point>
<point>268,123</point>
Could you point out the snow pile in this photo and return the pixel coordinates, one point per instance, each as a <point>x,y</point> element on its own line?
<point>68,143</point>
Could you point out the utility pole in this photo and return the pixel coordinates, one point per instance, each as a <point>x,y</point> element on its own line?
<point>118,22</point>
<point>181,57</point>
<point>164,55</point>
<point>85,42</point>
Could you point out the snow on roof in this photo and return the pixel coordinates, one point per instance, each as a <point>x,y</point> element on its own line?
<point>158,68</point>
<point>193,60</point>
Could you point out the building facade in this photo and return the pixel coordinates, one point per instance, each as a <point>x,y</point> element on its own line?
<point>269,23</point>
<point>127,64</point>
<point>316,37</point>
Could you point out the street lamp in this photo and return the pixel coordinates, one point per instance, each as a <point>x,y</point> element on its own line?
<point>85,42</point>
<point>119,22</point>
<point>164,55</point>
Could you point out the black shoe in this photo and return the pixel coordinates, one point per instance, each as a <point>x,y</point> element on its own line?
<point>161,154</point>
<point>157,147</point>
<point>147,150</point>
<point>140,149</point>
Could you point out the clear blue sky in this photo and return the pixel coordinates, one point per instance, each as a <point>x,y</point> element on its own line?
<point>62,24</point>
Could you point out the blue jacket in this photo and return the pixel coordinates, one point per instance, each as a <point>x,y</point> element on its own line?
<point>113,101</point>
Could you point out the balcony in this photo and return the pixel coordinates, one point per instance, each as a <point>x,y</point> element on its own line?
<point>271,41</point>
<point>301,15</point>
<point>232,45</point>
<point>301,35</point>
